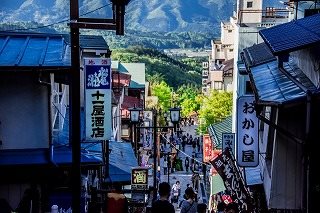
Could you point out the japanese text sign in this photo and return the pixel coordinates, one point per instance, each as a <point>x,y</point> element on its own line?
<point>207,148</point>
<point>228,141</point>
<point>247,133</point>
<point>98,98</point>
<point>139,178</point>
<point>147,132</point>
<point>227,169</point>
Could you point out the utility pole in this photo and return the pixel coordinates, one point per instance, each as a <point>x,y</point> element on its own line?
<point>117,24</point>
<point>75,123</point>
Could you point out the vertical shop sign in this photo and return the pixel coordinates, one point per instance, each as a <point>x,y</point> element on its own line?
<point>147,132</point>
<point>207,148</point>
<point>247,133</point>
<point>98,98</point>
<point>228,141</point>
<point>227,169</point>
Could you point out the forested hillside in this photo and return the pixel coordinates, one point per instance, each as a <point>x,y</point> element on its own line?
<point>161,67</point>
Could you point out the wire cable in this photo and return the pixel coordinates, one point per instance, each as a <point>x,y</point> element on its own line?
<point>59,22</point>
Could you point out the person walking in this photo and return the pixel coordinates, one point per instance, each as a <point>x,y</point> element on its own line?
<point>165,166</point>
<point>186,164</point>
<point>195,180</point>
<point>162,204</point>
<point>189,205</point>
<point>176,190</point>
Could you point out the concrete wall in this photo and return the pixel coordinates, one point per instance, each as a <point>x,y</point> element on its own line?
<point>24,112</point>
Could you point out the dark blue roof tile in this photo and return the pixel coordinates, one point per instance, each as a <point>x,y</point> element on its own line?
<point>293,35</point>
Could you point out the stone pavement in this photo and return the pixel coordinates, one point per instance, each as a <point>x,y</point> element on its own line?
<point>183,176</point>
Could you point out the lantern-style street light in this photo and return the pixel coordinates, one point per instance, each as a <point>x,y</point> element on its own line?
<point>135,119</point>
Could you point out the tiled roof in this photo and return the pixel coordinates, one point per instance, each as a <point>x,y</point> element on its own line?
<point>216,130</point>
<point>257,54</point>
<point>274,86</point>
<point>293,35</point>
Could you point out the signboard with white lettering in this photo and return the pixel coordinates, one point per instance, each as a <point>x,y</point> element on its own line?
<point>98,98</point>
<point>228,140</point>
<point>227,169</point>
<point>207,148</point>
<point>247,133</point>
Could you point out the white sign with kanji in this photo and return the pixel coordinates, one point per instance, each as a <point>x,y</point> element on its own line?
<point>98,98</point>
<point>247,133</point>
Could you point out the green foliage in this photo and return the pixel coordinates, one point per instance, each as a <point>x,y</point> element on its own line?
<point>214,108</point>
<point>187,99</point>
<point>164,94</point>
<point>159,66</point>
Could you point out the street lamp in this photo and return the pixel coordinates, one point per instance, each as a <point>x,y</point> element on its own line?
<point>134,118</point>
<point>174,117</point>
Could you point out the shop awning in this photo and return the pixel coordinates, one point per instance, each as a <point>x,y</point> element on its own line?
<point>121,160</point>
<point>293,35</point>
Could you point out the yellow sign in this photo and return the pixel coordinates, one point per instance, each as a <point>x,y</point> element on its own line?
<point>139,178</point>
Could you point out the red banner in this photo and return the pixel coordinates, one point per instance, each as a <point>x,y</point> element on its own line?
<point>225,166</point>
<point>207,148</point>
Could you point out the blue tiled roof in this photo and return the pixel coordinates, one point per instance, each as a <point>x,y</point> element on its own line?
<point>33,50</point>
<point>272,86</point>
<point>293,35</point>
<point>257,54</point>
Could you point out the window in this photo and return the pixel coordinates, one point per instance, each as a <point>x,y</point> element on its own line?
<point>218,85</point>
<point>230,50</point>
<point>249,4</point>
<point>229,31</point>
<point>248,88</point>
<point>218,50</point>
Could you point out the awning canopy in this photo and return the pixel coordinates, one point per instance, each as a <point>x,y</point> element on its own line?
<point>121,160</point>
<point>293,35</point>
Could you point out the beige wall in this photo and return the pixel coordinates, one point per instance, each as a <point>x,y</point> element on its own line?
<point>244,14</point>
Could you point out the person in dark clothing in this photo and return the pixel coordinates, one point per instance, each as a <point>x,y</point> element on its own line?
<point>186,164</point>
<point>201,208</point>
<point>163,205</point>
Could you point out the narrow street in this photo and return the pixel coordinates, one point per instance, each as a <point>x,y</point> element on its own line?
<point>183,176</point>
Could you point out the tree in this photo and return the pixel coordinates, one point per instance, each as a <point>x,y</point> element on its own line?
<point>187,99</point>
<point>214,108</point>
<point>164,94</point>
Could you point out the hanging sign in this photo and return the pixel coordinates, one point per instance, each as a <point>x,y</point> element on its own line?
<point>147,132</point>
<point>228,141</point>
<point>207,148</point>
<point>247,133</point>
<point>98,98</point>
<point>226,168</point>
<point>139,178</point>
